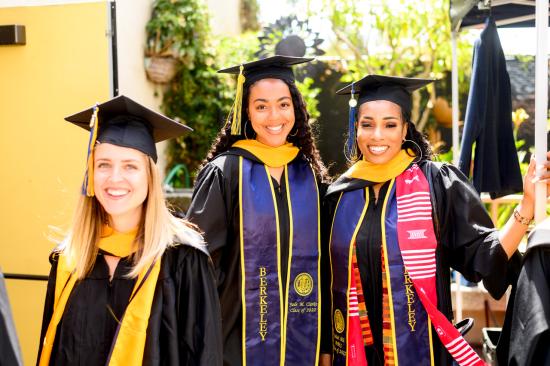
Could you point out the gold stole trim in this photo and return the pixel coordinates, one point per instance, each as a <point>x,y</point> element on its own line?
<point>350,267</point>
<point>388,281</point>
<point>271,156</point>
<point>130,343</point>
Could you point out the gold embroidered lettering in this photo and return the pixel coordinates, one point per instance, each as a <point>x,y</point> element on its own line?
<point>263,304</point>
<point>410,301</point>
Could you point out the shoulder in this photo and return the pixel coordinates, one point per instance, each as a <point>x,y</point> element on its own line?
<point>540,237</point>
<point>187,235</point>
<point>443,173</point>
<point>344,184</point>
<point>57,251</point>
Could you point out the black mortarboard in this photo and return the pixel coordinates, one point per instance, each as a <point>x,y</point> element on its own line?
<point>380,87</point>
<point>276,67</point>
<point>123,122</point>
<point>392,88</point>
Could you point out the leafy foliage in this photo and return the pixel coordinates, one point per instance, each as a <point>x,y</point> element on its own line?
<point>398,37</point>
<point>180,28</point>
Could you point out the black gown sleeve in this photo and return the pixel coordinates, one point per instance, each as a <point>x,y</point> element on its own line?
<point>468,236</point>
<point>209,211</point>
<point>199,316</point>
<point>48,302</point>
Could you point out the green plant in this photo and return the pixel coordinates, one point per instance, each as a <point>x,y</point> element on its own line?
<point>177,28</point>
<point>180,28</point>
<point>403,38</point>
<point>249,15</point>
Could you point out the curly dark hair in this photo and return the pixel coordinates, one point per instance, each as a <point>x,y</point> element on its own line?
<point>415,141</point>
<point>420,139</point>
<point>301,134</point>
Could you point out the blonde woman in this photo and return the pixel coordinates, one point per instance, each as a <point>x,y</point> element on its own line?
<point>131,284</point>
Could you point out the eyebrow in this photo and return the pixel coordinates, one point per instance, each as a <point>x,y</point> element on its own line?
<point>124,161</point>
<point>265,100</point>
<point>385,118</point>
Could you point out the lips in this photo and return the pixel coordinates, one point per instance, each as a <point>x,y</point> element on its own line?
<point>378,150</point>
<point>116,193</point>
<point>275,129</point>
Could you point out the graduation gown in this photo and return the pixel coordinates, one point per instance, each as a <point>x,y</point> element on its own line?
<point>184,326</point>
<point>10,352</point>
<point>488,121</point>
<point>525,338</point>
<point>466,240</point>
<point>215,210</point>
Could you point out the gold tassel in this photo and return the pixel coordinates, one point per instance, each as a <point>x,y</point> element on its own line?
<point>94,125</point>
<point>238,106</point>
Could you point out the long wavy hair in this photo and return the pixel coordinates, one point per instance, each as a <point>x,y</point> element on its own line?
<point>414,140</point>
<point>158,229</point>
<point>301,134</point>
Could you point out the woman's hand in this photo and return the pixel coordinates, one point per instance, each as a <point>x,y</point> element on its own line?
<point>533,176</point>
<point>514,229</point>
<point>325,359</point>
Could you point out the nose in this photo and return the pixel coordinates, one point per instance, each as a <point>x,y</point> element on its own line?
<point>274,115</point>
<point>377,133</point>
<point>116,174</point>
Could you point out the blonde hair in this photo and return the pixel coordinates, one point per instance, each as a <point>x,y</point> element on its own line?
<point>158,229</point>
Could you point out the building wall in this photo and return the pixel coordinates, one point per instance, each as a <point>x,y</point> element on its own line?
<point>224,16</point>
<point>62,69</point>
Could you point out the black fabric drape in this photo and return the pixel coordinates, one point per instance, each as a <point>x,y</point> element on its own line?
<point>488,121</point>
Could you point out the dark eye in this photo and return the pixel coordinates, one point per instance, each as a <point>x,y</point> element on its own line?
<point>102,165</point>
<point>366,124</point>
<point>260,107</point>
<point>391,125</point>
<point>285,104</point>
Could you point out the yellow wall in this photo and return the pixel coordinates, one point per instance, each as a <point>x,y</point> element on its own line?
<point>63,68</point>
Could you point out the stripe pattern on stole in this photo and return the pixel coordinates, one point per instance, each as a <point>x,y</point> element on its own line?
<point>349,214</point>
<point>418,245</point>
<point>272,336</point>
<point>409,321</point>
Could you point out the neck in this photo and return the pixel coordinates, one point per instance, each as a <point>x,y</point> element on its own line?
<point>125,223</point>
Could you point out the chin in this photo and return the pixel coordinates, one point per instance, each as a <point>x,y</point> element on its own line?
<point>274,142</point>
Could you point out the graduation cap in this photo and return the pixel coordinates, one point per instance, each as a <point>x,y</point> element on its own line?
<point>379,87</point>
<point>123,122</point>
<point>276,67</point>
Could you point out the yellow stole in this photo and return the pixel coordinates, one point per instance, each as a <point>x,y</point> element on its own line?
<point>130,342</point>
<point>273,157</point>
<point>379,173</point>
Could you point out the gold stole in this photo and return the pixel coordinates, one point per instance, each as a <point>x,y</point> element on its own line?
<point>273,157</point>
<point>379,173</point>
<point>130,342</point>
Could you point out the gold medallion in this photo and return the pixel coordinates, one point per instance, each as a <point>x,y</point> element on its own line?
<point>339,324</point>
<point>303,284</point>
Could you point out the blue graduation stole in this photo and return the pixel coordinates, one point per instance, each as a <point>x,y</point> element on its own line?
<point>279,329</point>
<point>410,325</point>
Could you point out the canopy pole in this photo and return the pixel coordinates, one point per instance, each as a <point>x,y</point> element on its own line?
<point>454,84</point>
<point>541,102</point>
<point>456,152</point>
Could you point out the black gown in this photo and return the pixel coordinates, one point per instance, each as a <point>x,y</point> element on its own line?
<point>525,338</point>
<point>184,325</point>
<point>214,209</point>
<point>467,242</point>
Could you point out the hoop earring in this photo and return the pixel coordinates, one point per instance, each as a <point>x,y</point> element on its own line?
<point>294,134</point>
<point>418,146</point>
<point>244,130</point>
